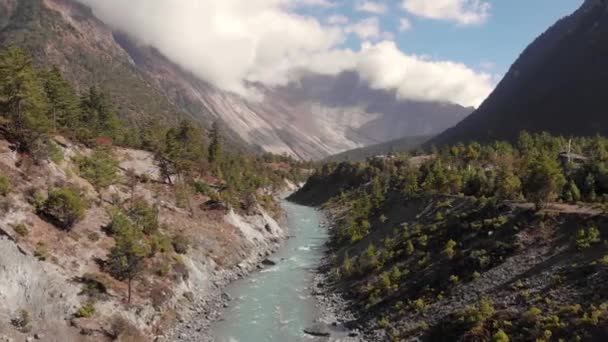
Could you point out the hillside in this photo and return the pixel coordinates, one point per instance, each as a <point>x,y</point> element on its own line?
<point>310,119</point>
<point>478,243</point>
<point>556,85</point>
<point>403,145</point>
<point>100,241</point>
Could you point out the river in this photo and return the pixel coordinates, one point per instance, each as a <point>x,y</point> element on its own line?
<point>275,305</point>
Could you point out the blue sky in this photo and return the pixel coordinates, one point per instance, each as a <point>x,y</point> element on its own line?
<point>496,43</point>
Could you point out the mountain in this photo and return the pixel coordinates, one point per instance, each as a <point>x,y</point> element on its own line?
<point>311,118</point>
<point>557,84</point>
<point>402,145</point>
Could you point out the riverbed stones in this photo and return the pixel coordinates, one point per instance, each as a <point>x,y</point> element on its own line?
<point>268,262</point>
<point>318,329</point>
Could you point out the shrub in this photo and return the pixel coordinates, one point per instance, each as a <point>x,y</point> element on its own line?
<point>144,216</point>
<point>180,244</point>
<point>448,250</point>
<point>21,230</point>
<point>585,238</point>
<point>479,313</point>
<point>93,236</point>
<point>99,168</point>
<point>87,310</point>
<point>23,321</point>
<point>418,305</point>
<point>500,336</point>
<point>5,185</point>
<point>64,207</point>
<point>55,153</point>
<point>42,251</point>
<point>533,314</point>
<point>160,243</point>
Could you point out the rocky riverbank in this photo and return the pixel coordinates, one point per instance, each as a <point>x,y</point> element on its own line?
<point>334,314</point>
<point>194,321</point>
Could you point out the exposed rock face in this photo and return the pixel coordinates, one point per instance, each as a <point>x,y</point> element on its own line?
<point>558,84</point>
<point>309,119</point>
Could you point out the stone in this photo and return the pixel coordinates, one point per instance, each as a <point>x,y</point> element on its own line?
<point>268,262</point>
<point>318,329</point>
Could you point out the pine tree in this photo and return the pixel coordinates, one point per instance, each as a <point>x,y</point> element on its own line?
<point>543,181</point>
<point>22,99</point>
<point>183,150</point>
<point>215,147</point>
<point>64,110</point>
<point>126,259</point>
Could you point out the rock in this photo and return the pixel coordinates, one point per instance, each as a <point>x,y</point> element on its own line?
<point>318,329</point>
<point>39,336</point>
<point>189,295</point>
<point>268,262</point>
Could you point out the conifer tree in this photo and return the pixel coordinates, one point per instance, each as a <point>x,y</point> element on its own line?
<point>22,99</point>
<point>64,111</point>
<point>215,147</point>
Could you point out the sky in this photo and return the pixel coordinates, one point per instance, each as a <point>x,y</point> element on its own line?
<point>431,50</point>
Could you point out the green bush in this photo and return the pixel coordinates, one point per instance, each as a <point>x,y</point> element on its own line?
<point>5,185</point>
<point>144,216</point>
<point>500,336</point>
<point>55,153</point>
<point>87,310</point>
<point>585,238</point>
<point>180,244</point>
<point>64,207</point>
<point>21,230</point>
<point>99,168</point>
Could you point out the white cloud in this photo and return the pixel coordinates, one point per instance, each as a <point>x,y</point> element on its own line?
<point>366,29</point>
<point>229,43</point>
<point>384,66</point>
<point>404,24</point>
<point>371,7</point>
<point>319,3</point>
<point>464,12</point>
<point>338,20</point>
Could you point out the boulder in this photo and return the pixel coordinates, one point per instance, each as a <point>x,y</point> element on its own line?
<point>268,262</point>
<point>318,329</point>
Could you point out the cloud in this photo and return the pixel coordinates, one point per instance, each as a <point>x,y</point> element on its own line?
<point>371,7</point>
<point>230,43</point>
<point>338,20</point>
<point>404,24</point>
<point>464,12</point>
<point>384,66</point>
<point>318,3</point>
<point>366,29</point>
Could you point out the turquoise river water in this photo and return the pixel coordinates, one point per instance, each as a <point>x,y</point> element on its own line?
<point>275,305</point>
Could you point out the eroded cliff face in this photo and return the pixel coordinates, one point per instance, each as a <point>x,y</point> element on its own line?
<point>51,273</point>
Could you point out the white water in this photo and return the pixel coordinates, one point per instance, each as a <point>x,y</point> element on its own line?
<point>275,305</point>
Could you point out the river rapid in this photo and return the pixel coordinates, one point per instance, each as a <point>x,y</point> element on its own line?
<point>275,304</point>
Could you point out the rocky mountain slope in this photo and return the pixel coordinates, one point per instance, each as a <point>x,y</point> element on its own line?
<point>313,118</point>
<point>55,281</point>
<point>556,85</point>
